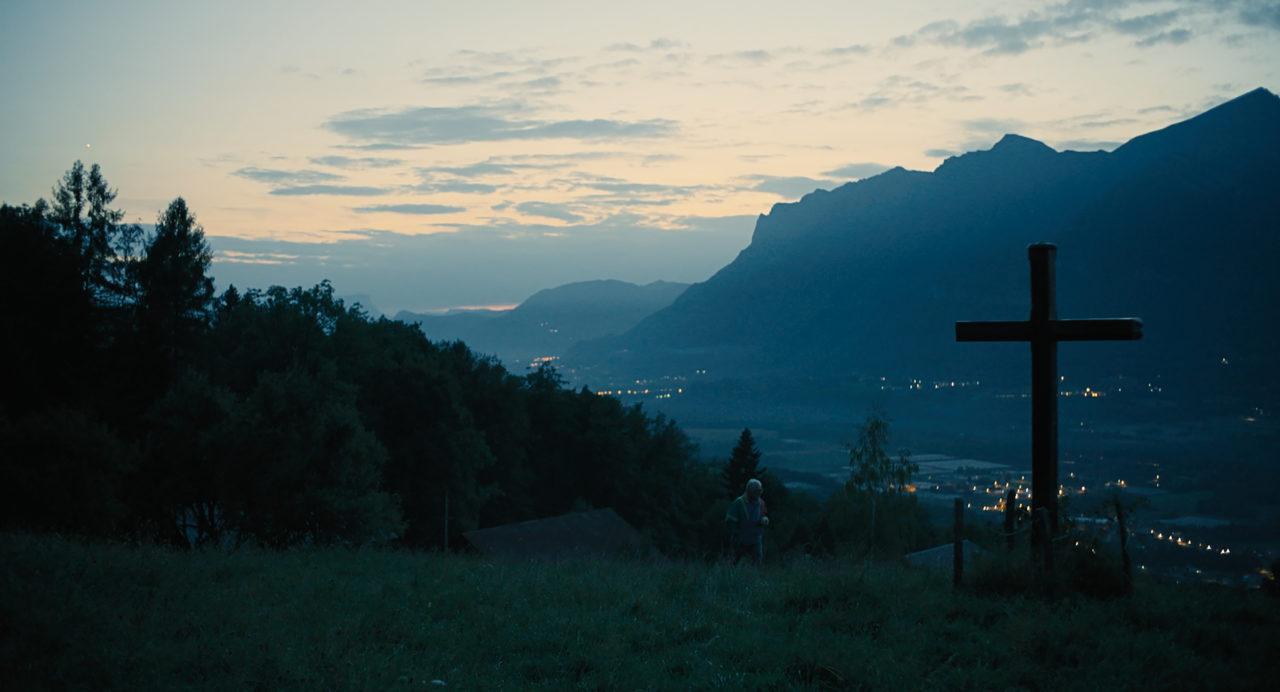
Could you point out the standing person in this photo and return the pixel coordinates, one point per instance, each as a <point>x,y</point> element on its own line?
<point>745,521</point>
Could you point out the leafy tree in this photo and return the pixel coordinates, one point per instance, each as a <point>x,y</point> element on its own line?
<point>63,470</point>
<point>269,331</point>
<point>51,348</point>
<point>873,470</point>
<point>303,468</point>
<point>863,524</point>
<point>743,464</point>
<point>874,473</point>
<point>436,451</point>
<point>185,475</point>
<point>281,415</point>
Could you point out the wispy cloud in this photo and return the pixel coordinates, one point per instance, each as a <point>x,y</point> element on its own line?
<point>507,68</point>
<point>667,44</point>
<point>992,126</point>
<point>455,125</point>
<point>419,209</point>
<point>266,258</point>
<point>605,193</point>
<point>619,186</point>
<point>356,162</point>
<point>337,190</point>
<point>789,187</point>
<point>1000,35</point>
<point>897,89</point>
<point>279,176</point>
<point>455,185</point>
<point>549,210</point>
<point>1070,22</point>
<point>853,49</point>
<point>1145,23</point>
<point>479,169</point>
<point>380,146</point>
<point>541,84</point>
<point>980,133</point>
<point>623,64</point>
<point>565,159</point>
<point>857,170</point>
<point>467,78</point>
<point>1109,122</point>
<point>1078,21</point>
<point>1087,145</point>
<point>1262,13</point>
<point>1016,89</point>
<point>1174,37</point>
<point>757,56</point>
<point>496,173</point>
<point>657,44</point>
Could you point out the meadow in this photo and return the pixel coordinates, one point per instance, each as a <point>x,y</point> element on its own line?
<point>104,615</point>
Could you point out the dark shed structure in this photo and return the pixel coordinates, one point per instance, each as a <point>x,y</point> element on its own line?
<point>943,556</point>
<point>597,532</point>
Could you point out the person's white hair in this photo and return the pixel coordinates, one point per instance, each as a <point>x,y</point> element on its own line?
<point>754,484</point>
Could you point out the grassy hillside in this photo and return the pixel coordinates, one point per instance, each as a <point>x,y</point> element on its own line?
<point>93,615</point>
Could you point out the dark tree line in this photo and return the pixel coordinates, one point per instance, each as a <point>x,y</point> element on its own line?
<point>138,403</point>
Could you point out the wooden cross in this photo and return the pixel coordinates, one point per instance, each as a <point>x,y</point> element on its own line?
<point>1044,330</point>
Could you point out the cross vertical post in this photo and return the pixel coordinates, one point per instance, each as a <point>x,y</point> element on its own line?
<point>1044,387</point>
<point>1043,331</point>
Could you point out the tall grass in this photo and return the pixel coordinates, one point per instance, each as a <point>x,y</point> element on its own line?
<point>101,615</point>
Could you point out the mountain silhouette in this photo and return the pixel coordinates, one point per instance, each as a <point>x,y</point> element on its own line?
<point>1180,227</point>
<point>551,320</point>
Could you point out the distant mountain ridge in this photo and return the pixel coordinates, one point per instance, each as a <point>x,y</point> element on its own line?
<point>1180,226</point>
<point>551,320</point>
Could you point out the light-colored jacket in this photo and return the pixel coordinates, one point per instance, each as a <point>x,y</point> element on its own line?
<point>743,520</point>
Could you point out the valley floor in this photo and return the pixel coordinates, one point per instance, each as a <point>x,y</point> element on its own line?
<point>98,615</point>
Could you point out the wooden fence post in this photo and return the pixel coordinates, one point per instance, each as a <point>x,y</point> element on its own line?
<point>1010,513</point>
<point>958,570</point>
<point>1045,543</point>
<point>1124,546</point>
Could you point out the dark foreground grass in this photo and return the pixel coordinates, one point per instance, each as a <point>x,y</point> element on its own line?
<point>93,615</point>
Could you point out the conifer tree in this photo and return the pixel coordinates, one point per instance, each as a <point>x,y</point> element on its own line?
<point>743,465</point>
<point>81,209</point>
<point>175,294</point>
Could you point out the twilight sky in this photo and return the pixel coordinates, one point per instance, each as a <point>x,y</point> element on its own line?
<point>430,155</point>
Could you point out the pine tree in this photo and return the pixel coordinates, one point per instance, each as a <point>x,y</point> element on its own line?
<point>82,211</point>
<point>743,465</point>
<point>67,209</point>
<point>175,295</point>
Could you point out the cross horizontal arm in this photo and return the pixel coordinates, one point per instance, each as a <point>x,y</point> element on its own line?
<point>993,331</point>
<point>1126,329</point>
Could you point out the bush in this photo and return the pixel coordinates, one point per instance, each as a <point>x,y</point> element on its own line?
<point>65,471</point>
<point>900,526</point>
<point>1086,570</point>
